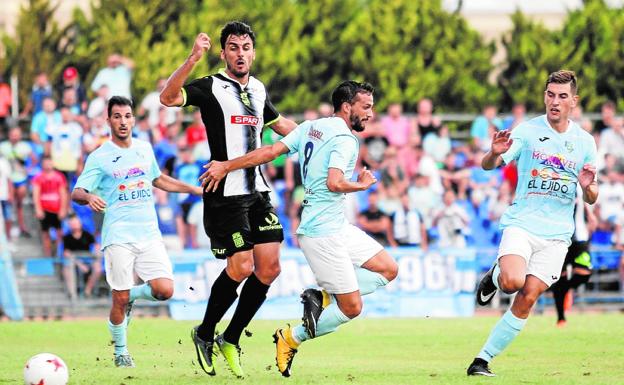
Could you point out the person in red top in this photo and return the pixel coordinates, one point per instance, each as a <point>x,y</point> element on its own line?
<point>5,104</point>
<point>196,132</point>
<point>51,200</point>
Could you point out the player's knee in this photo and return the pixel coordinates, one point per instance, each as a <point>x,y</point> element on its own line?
<point>269,273</point>
<point>351,309</point>
<point>163,294</point>
<point>241,271</point>
<point>528,298</point>
<point>510,283</point>
<point>120,298</point>
<point>392,271</point>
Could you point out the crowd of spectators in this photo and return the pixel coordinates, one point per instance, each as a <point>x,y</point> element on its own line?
<point>431,192</point>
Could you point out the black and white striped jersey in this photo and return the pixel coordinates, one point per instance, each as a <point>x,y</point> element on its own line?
<point>234,116</point>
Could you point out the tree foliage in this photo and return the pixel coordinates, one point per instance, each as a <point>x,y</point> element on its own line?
<point>590,43</point>
<point>406,49</point>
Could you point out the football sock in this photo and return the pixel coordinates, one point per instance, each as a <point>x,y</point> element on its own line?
<point>495,275</point>
<point>251,298</point>
<point>369,281</point>
<point>559,289</point>
<point>330,319</point>
<point>119,335</point>
<point>503,333</point>
<point>143,291</point>
<point>222,296</point>
<point>577,280</point>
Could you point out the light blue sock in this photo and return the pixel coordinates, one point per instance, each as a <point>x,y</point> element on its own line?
<point>495,275</point>
<point>119,335</point>
<point>143,291</point>
<point>369,281</point>
<point>330,319</point>
<point>503,333</point>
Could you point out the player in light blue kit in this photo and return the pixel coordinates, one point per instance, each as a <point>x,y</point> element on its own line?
<point>118,179</point>
<point>553,154</point>
<point>346,262</point>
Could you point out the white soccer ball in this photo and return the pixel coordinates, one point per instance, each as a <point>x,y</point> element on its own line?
<point>45,369</point>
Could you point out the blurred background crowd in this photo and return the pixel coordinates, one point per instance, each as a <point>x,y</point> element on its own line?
<point>432,191</point>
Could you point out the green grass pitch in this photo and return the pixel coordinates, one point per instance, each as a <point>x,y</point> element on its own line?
<point>590,350</point>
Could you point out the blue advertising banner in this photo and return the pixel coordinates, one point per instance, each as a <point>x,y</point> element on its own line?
<point>439,283</point>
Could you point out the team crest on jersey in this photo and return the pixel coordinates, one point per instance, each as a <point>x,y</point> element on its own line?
<point>248,120</point>
<point>569,146</point>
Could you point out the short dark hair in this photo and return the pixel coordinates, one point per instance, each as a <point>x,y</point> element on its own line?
<point>237,28</point>
<point>347,91</point>
<point>118,101</point>
<point>563,77</point>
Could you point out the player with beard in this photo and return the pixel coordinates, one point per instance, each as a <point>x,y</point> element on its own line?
<point>346,262</point>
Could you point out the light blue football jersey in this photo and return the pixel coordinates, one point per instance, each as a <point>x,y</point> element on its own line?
<point>548,167</point>
<point>123,178</point>
<point>322,144</point>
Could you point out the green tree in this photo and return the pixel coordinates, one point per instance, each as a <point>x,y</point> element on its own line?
<point>38,46</point>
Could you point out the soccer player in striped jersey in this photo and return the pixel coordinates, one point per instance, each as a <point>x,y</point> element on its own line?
<point>238,216</point>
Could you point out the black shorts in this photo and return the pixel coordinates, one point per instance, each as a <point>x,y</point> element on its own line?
<point>238,223</point>
<point>50,220</point>
<point>185,209</point>
<point>578,255</point>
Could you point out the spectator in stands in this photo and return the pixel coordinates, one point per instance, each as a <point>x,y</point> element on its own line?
<point>325,110</point>
<point>424,198</point>
<point>499,202</point>
<point>40,90</point>
<point>612,140</point>
<point>480,128</point>
<point>143,131</point>
<point>392,174</point>
<point>375,144</point>
<point>65,145</point>
<point>165,149</point>
<point>425,123</point>
<point>196,132</point>
<point>42,122</point>
<point>71,80</point>
<point>117,75</point>
<point>51,201</point>
<point>166,209</point>
<point>482,183</point>
<point>611,198</point>
<point>96,134</point>
<point>80,251</point>
<point>69,99</point>
<point>451,221</point>
<point>5,105</point>
<point>152,107</point>
<point>607,113</point>
<point>618,240</point>
<point>188,171</point>
<point>376,223</point>
<point>97,106</point>
<point>409,228</point>
<point>437,144</point>
<point>397,128</point>
<point>518,115</point>
<point>6,195</point>
<point>18,152</point>
<point>455,175</point>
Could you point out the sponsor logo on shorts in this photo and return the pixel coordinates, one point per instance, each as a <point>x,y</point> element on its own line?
<point>554,277</point>
<point>273,223</point>
<point>238,239</point>
<point>245,119</point>
<point>218,252</point>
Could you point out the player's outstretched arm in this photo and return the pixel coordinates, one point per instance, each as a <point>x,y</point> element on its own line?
<point>336,181</point>
<point>171,95</point>
<point>500,144</point>
<point>283,126</point>
<point>216,171</point>
<point>83,197</point>
<point>169,184</point>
